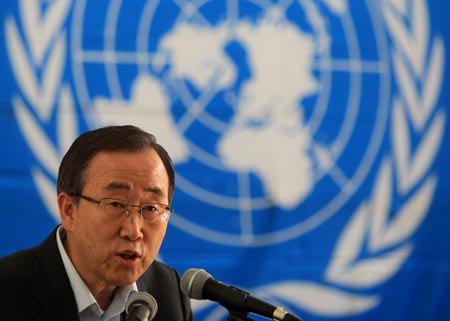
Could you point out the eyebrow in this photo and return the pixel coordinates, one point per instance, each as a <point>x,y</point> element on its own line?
<point>155,190</point>
<point>114,185</point>
<point>122,186</point>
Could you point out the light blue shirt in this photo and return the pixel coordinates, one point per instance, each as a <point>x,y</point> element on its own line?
<point>88,308</point>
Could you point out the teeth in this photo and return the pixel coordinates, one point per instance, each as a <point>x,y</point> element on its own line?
<point>128,256</point>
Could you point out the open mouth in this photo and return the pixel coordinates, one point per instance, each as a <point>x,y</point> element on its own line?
<point>128,256</point>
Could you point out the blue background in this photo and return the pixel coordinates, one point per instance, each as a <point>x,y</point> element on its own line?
<point>418,291</point>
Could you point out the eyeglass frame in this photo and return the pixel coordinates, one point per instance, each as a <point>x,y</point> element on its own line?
<point>168,209</point>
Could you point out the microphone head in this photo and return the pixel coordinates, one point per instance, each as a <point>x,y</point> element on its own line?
<point>193,281</point>
<point>142,298</point>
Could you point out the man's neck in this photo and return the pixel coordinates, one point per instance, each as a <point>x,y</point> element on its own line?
<point>104,297</point>
<point>103,294</point>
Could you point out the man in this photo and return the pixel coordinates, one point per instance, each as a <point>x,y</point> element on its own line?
<point>115,186</point>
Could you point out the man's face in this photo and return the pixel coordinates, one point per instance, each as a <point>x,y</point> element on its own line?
<point>112,252</point>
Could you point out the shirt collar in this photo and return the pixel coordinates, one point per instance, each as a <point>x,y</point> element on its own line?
<point>83,296</point>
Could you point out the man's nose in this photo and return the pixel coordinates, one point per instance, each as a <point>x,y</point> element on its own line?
<point>138,210</point>
<point>133,224</point>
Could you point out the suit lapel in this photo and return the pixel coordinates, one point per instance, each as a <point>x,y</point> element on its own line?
<point>56,310</point>
<point>51,285</point>
<point>141,285</point>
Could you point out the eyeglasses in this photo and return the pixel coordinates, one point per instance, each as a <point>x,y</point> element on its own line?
<point>115,208</point>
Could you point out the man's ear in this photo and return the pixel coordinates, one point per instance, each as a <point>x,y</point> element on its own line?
<point>67,207</point>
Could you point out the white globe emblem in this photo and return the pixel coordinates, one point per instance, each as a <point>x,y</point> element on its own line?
<point>260,106</point>
<point>275,115</point>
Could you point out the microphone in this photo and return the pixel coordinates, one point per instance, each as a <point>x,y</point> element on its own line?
<point>199,284</point>
<point>140,306</point>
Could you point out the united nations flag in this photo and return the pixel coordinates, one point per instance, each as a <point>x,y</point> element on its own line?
<point>308,139</point>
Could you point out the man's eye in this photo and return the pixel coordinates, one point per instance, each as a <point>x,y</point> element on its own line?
<point>149,208</point>
<point>117,204</point>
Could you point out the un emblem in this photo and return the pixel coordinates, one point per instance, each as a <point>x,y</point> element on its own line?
<point>278,117</point>
<point>258,102</point>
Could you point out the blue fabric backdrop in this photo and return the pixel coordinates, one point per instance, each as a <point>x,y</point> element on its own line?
<point>309,139</point>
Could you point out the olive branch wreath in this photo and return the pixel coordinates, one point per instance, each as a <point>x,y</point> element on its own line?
<point>38,57</point>
<point>377,228</point>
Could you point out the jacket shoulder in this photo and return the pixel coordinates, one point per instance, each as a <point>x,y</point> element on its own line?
<point>163,283</point>
<point>16,269</point>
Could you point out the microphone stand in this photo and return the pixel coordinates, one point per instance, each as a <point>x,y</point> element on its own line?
<point>238,316</point>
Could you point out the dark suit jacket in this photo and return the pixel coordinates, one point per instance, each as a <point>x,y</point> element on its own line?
<point>34,286</point>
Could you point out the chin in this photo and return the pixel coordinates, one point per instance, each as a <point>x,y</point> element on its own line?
<point>125,281</point>
<point>126,278</point>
